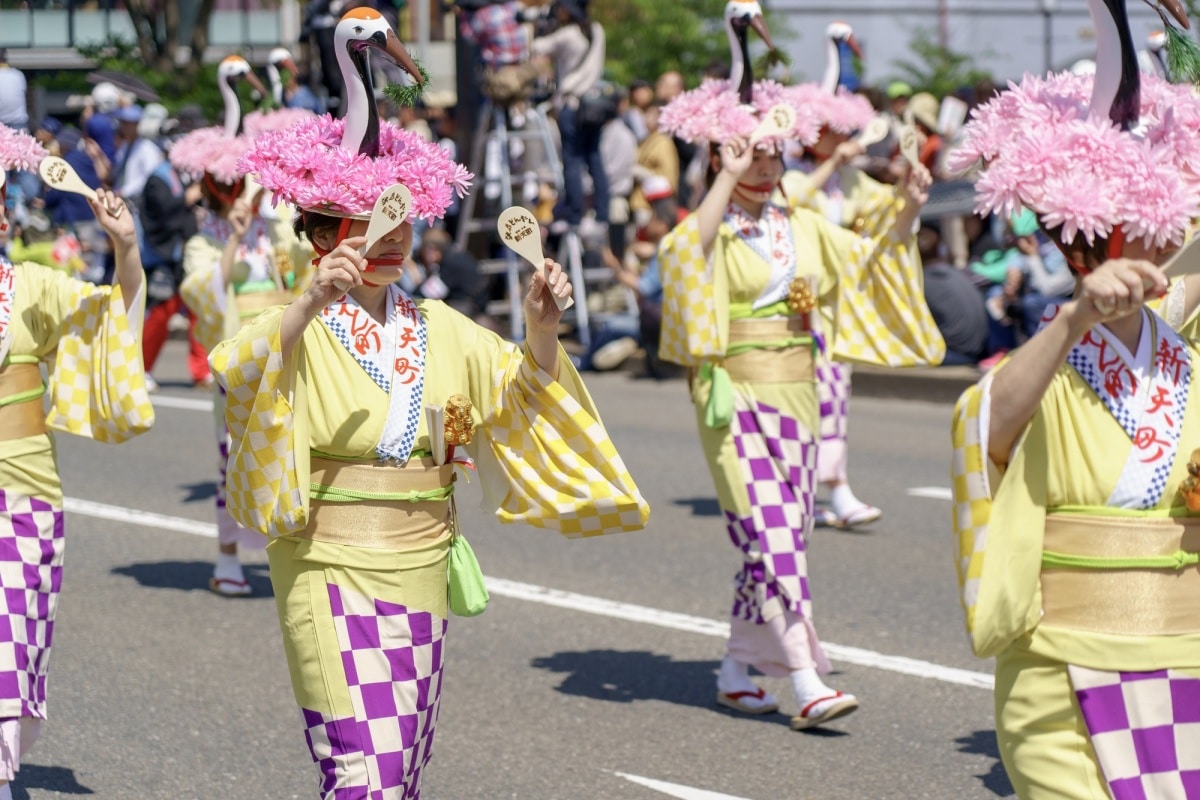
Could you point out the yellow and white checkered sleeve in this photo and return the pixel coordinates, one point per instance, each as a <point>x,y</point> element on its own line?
<point>262,483</point>
<point>972,493</point>
<point>690,332</point>
<point>881,315</point>
<point>204,294</point>
<point>98,384</point>
<point>563,471</point>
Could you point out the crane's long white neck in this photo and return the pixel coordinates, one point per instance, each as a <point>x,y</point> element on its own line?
<point>833,66</point>
<point>1116,91</point>
<point>276,83</point>
<point>233,108</point>
<point>362,118</point>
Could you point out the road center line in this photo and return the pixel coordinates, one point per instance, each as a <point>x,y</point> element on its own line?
<point>675,789</point>
<point>186,403</point>
<point>931,492</point>
<point>578,602</point>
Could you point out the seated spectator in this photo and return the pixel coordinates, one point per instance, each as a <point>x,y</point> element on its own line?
<point>1046,277</point>
<point>954,301</point>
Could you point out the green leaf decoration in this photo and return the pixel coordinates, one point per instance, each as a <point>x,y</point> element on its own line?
<point>1183,56</point>
<point>409,94</point>
<point>772,58</point>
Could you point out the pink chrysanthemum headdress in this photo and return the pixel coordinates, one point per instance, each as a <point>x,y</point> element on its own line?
<point>713,113</point>
<point>1038,146</point>
<point>306,166</point>
<point>278,119</point>
<point>209,150</point>
<point>19,150</point>
<point>843,111</point>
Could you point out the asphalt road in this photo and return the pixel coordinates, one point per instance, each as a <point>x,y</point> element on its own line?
<point>600,689</point>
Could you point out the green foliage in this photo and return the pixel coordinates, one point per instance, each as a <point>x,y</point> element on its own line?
<point>936,69</point>
<point>1183,57</point>
<point>175,88</point>
<point>646,38</point>
<point>408,94</point>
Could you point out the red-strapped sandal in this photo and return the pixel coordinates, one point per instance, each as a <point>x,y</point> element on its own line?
<point>766,704</point>
<point>824,709</point>
<point>228,587</point>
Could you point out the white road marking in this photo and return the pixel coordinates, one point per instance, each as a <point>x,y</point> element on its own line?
<point>581,602</point>
<point>931,492</point>
<point>132,516</point>
<point>676,790</point>
<point>186,403</point>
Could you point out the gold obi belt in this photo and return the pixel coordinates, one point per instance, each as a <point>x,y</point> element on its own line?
<point>252,304</point>
<point>21,412</point>
<point>1134,576</point>
<point>776,350</point>
<point>379,505</point>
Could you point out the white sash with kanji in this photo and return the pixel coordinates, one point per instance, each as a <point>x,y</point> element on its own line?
<point>1147,395</point>
<point>393,355</point>
<point>8,297</point>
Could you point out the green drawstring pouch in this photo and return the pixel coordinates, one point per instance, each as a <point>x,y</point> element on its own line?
<point>468,594</point>
<point>718,413</point>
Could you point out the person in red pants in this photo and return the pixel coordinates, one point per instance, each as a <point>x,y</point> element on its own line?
<point>168,219</point>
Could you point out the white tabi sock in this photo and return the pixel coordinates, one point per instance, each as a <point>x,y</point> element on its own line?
<point>228,567</point>
<point>734,676</point>
<point>808,686</point>
<point>843,500</point>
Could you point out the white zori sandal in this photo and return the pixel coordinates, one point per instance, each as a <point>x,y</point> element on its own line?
<point>824,709</point>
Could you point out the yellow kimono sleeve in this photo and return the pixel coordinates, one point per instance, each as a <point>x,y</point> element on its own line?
<point>695,308</point>
<point>269,451</point>
<point>550,451</point>
<point>294,255</point>
<point>204,291</point>
<point>998,520</point>
<point>873,301</point>
<point>97,383</point>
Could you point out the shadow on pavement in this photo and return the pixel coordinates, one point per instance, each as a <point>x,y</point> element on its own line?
<point>204,490</point>
<point>55,779</point>
<point>191,576</point>
<point>701,506</point>
<point>983,743</point>
<point>628,676</point>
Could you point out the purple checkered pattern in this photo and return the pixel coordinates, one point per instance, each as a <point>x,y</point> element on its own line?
<point>833,394</point>
<point>778,457</point>
<point>31,559</point>
<point>1145,730</point>
<point>395,689</point>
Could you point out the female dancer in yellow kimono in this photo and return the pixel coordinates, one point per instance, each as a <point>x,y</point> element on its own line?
<point>243,259</point>
<point>748,286</point>
<point>334,457</point>
<point>87,337</point>
<point>1075,502</point>
<point>825,181</point>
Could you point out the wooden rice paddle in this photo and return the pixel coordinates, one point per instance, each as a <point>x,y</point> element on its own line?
<point>519,230</point>
<point>908,145</point>
<point>1186,260</point>
<point>778,121</point>
<point>58,174</point>
<point>875,131</point>
<point>390,210</point>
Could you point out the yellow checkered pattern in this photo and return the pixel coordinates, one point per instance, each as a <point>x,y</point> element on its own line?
<point>563,471</point>
<point>262,485</point>
<point>98,384</point>
<point>198,291</point>
<point>882,317</point>
<point>690,331</point>
<point>972,495</point>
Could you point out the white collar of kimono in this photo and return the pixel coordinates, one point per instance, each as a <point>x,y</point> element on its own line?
<point>8,290</point>
<point>393,356</point>
<point>1146,394</point>
<point>770,236</point>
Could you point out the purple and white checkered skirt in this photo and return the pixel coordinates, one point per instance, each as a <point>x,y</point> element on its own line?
<point>1145,731</point>
<point>833,395</point>
<point>392,658</point>
<point>31,564</point>
<point>778,457</point>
